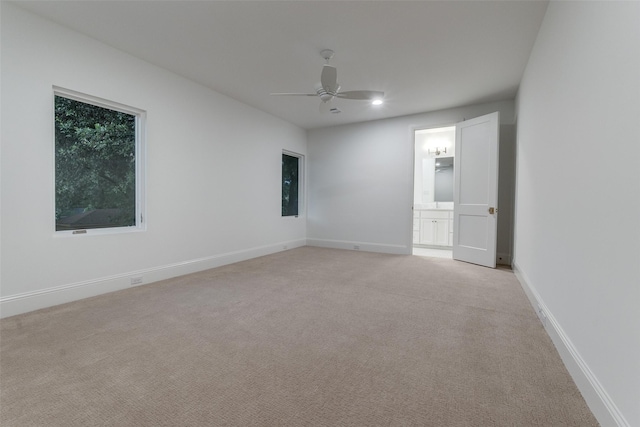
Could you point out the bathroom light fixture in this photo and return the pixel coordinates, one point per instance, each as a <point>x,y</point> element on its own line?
<point>437,151</point>
<point>376,102</point>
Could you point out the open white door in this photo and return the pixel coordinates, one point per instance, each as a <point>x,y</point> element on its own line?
<point>475,195</point>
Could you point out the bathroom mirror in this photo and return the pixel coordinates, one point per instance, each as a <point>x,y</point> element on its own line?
<point>443,179</point>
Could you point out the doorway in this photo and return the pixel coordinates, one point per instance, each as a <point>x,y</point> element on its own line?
<point>468,223</point>
<point>433,191</point>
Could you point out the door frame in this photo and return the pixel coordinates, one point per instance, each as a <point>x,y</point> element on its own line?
<point>413,131</point>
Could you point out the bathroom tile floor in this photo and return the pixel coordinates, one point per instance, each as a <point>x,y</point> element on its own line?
<point>430,252</point>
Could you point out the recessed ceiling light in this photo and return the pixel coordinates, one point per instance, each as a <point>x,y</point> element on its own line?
<point>376,102</point>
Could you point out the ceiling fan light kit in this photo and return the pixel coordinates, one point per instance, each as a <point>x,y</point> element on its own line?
<point>328,88</point>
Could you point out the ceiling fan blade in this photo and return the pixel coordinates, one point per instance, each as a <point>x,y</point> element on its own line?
<point>329,78</point>
<point>361,94</point>
<point>293,94</point>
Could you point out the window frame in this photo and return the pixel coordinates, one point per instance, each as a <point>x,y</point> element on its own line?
<point>301,181</point>
<point>140,161</point>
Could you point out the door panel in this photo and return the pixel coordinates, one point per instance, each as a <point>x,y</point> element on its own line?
<point>474,165</point>
<point>473,231</point>
<point>476,190</point>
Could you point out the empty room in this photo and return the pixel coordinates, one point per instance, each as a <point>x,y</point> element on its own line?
<point>319,213</point>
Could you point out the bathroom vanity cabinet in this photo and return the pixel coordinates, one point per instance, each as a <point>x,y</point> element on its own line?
<point>433,227</point>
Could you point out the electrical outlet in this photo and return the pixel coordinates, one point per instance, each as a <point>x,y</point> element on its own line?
<point>542,315</point>
<point>356,247</point>
<point>136,280</point>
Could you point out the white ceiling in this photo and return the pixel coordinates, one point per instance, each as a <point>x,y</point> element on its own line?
<point>425,55</point>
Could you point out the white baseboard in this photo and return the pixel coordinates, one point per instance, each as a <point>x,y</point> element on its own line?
<point>360,246</point>
<point>598,400</point>
<point>30,301</point>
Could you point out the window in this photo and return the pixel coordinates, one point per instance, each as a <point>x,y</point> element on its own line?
<point>291,172</point>
<point>98,163</point>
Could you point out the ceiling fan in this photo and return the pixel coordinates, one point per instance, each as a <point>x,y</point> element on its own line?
<point>328,88</point>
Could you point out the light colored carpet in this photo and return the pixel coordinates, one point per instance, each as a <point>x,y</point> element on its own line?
<point>306,337</point>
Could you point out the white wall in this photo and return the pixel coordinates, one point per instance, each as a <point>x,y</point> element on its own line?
<point>361,179</point>
<point>577,233</point>
<point>213,171</point>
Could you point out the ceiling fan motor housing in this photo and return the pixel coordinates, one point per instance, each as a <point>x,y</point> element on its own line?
<point>324,95</point>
